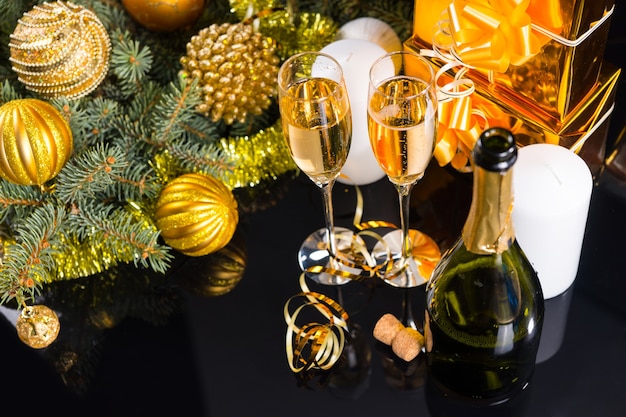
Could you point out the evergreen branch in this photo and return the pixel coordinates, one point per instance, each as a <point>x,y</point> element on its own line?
<point>136,182</point>
<point>176,108</point>
<point>90,174</point>
<point>198,157</point>
<point>28,263</point>
<point>94,123</point>
<point>121,233</point>
<point>17,201</point>
<point>130,61</point>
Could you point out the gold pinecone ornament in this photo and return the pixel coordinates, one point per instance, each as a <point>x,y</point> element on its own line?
<point>60,49</point>
<point>197,214</point>
<point>236,68</point>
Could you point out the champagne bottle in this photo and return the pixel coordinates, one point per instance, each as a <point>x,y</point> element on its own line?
<point>484,303</point>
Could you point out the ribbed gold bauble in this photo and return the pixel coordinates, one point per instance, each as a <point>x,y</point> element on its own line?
<point>197,214</point>
<point>164,15</point>
<point>38,326</point>
<point>217,273</point>
<point>237,69</point>
<point>35,141</point>
<point>60,49</point>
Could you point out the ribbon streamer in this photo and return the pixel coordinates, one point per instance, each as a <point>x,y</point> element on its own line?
<point>314,345</point>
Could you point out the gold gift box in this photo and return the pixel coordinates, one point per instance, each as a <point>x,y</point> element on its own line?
<point>584,130</point>
<point>554,81</point>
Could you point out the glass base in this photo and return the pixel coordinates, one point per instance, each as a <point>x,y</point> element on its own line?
<point>314,252</point>
<point>411,272</point>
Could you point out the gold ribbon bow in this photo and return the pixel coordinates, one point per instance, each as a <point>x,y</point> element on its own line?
<point>462,118</point>
<point>492,34</point>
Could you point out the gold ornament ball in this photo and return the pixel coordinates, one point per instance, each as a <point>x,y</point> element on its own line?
<point>164,15</point>
<point>38,326</point>
<point>197,214</point>
<point>35,141</point>
<point>60,49</point>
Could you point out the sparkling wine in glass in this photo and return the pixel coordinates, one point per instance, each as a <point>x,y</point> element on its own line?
<point>402,126</point>
<point>317,125</point>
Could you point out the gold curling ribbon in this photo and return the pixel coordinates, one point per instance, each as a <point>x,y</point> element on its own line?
<point>361,264</point>
<point>314,345</point>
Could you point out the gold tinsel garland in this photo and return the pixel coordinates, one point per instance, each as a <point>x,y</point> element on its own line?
<point>259,157</point>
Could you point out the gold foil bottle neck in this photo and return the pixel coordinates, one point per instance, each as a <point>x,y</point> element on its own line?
<point>489,225</point>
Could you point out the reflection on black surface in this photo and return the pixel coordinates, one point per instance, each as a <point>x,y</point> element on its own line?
<point>350,377</point>
<point>440,405</point>
<point>554,324</point>
<point>407,377</point>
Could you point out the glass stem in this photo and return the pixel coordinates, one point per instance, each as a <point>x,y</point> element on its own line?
<point>327,194</point>
<point>407,309</point>
<point>404,194</point>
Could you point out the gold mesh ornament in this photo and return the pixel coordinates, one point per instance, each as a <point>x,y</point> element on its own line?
<point>236,68</point>
<point>60,49</point>
<point>37,326</point>
<point>35,141</point>
<point>197,214</point>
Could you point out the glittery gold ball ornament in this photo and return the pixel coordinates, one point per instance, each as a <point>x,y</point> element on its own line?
<point>35,141</point>
<point>60,49</point>
<point>237,69</point>
<point>38,326</point>
<point>197,214</point>
<point>164,15</point>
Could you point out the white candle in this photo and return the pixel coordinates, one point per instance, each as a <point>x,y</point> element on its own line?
<point>356,56</point>
<point>552,189</point>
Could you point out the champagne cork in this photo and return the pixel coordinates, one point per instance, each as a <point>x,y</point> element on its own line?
<point>407,343</point>
<point>386,328</point>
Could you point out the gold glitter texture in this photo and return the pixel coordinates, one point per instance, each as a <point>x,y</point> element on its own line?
<point>236,68</point>
<point>60,49</point>
<point>197,214</point>
<point>35,141</point>
<point>38,326</point>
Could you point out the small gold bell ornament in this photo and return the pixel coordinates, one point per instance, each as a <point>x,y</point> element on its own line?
<point>35,141</point>
<point>197,214</point>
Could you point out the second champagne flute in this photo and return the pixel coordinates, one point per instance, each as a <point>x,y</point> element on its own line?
<point>402,126</point>
<point>317,124</point>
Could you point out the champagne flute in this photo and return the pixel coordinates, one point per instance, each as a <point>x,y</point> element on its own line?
<point>402,126</point>
<point>317,125</point>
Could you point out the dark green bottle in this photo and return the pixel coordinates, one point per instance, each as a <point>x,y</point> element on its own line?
<point>484,304</point>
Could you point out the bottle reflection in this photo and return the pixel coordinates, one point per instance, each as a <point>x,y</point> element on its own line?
<point>441,405</point>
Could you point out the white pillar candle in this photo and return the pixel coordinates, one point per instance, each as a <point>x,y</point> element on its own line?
<point>356,56</point>
<point>552,189</point>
